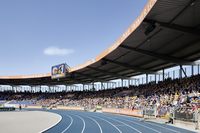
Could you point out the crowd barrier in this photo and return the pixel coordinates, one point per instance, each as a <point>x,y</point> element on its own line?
<point>150,113</point>
<point>185,114</point>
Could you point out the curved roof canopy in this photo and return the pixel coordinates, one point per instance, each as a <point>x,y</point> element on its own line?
<point>166,34</point>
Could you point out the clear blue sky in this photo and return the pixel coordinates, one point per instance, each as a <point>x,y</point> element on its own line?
<point>36,34</point>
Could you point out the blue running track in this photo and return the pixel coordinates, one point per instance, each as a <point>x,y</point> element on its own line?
<point>89,122</point>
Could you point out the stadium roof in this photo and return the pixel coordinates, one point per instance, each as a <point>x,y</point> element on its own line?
<point>166,34</point>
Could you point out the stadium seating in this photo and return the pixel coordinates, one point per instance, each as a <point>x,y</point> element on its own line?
<point>178,93</point>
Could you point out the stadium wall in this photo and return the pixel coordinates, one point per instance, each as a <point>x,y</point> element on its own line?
<point>33,107</point>
<point>136,113</point>
<point>129,112</point>
<point>69,108</point>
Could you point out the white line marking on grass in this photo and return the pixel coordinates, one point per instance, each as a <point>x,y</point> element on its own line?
<point>96,123</point>
<point>82,121</point>
<point>69,124</point>
<point>163,127</point>
<point>109,123</point>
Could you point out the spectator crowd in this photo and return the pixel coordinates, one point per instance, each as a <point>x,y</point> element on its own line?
<point>179,93</point>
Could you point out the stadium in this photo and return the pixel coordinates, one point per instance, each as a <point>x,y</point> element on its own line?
<point>148,81</point>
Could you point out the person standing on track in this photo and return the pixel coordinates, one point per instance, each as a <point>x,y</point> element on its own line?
<point>171,115</point>
<point>20,107</point>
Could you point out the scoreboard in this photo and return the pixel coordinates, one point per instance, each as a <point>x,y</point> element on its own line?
<point>59,71</point>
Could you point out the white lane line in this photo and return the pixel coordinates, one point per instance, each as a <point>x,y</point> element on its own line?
<point>141,125</point>
<point>109,123</point>
<point>139,119</point>
<point>163,127</point>
<point>82,121</point>
<point>69,124</point>
<point>126,125</point>
<point>135,118</point>
<point>96,123</point>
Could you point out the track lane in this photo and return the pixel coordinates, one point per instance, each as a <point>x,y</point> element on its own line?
<point>78,125</point>
<point>62,125</point>
<point>71,122</point>
<point>125,124</point>
<point>100,128</point>
<point>141,125</point>
<point>136,124</point>
<point>164,128</point>
<point>106,126</point>
<point>108,123</point>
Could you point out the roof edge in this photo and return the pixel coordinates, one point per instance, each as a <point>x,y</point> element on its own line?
<point>119,41</point>
<point>147,8</point>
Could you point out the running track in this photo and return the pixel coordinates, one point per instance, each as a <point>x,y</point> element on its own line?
<point>89,122</point>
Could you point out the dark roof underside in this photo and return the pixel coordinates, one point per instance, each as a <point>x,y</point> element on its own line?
<point>168,36</point>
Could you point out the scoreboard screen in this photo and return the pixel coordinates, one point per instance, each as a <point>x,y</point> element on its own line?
<point>58,71</point>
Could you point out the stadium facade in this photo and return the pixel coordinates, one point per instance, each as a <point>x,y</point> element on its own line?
<point>165,35</point>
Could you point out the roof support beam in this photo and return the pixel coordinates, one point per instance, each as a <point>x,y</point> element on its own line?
<point>180,28</point>
<point>179,13</point>
<point>106,72</point>
<point>164,57</point>
<point>138,69</point>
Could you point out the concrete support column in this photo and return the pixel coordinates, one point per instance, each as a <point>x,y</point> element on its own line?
<point>192,70</point>
<point>65,88</point>
<point>150,78</point>
<point>173,74</point>
<point>147,80</point>
<point>107,85</point>
<point>83,87</point>
<point>48,90</point>
<point>12,88</point>
<point>163,75</point>
<point>142,81</point>
<point>180,72</point>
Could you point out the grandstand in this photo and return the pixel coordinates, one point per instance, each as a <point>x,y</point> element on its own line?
<point>133,77</point>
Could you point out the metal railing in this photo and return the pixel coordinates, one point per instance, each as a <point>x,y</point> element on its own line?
<point>149,112</point>
<point>185,114</point>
